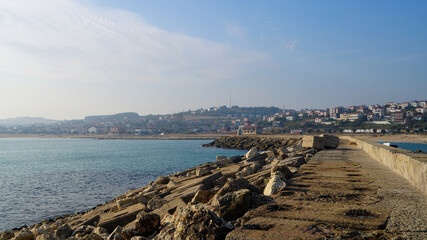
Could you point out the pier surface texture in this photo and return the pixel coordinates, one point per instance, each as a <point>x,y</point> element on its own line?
<point>341,193</point>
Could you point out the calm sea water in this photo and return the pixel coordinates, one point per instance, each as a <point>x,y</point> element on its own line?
<point>410,146</point>
<point>43,178</point>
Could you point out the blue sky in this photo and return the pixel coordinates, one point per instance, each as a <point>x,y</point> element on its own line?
<point>66,59</point>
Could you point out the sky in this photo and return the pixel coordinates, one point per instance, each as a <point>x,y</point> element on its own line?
<point>66,59</point>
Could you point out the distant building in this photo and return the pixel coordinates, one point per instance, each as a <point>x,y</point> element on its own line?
<point>397,117</point>
<point>92,130</point>
<point>117,130</point>
<point>249,130</point>
<point>297,131</point>
<point>350,116</point>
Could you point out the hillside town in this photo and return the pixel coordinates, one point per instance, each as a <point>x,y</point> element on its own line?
<point>391,117</point>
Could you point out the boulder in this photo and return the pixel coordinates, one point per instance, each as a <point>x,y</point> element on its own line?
<point>82,230</point>
<point>315,142</point>
<point>269,153</point>
<point>235,159</point>
<point>25,234</point>
<point>171,184</point>
<point>202,171</point>
<point>116,234</point>
<point>294,162</point>
<point>283,169</point>
<point>145,224</point>
<point>221,158</point>
<point>162,180</point>
<point>156,202</point>
<point>63,232</point>
<point>330,141</point>
<point>47,236</point>
<point>138,238</point>
<point>6,235</point>
<point>257,158</point>
<point>233,204</point>
<point>274,185</point>
<point>251,153</point>
<point>203,196</point>
<point>194,222</point>
<point>236,185</point>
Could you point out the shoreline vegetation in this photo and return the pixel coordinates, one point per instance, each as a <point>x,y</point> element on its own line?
<point>410,138</point>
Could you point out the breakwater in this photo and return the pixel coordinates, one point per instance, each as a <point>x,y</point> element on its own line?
<point>412,166</point>
<point>203,202</point>
<point>246,143</point>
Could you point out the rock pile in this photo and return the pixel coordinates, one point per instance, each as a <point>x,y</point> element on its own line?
<point>204,202</point>
<point>246,143</point>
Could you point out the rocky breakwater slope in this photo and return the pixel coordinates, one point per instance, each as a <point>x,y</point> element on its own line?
<point>204,202</point>
<point>246,143</point>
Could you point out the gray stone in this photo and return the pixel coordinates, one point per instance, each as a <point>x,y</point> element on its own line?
<point>251,153</point>
<point>194,222</point>
<point>63,232</point>
<point>162,180</point>
<point>315,142</point>
<point>283,169</point>
<point>24,234</point>
<point>156,202</point>
<point>233,204</point>
<point>274,185</point>
<point>330,141</point>
<point>202,171</point>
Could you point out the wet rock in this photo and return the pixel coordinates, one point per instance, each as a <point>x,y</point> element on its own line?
<point>274,185</point>
<point>24,234</point>
<point>162,180</point>
<point>194,222</point>
<point>156,202</point>
<point>63,232</point>
<point>233,204</point>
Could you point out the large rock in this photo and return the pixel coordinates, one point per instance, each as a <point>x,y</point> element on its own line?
<point>25,234</point>
<point>274,185</point>
<point>194,222</point>
<point>251,153</point>
<point>283,169</point>
<point>233,204</point>
<point>145,224</point>
<point>330,141</point>
<point>116,234</point>
<point>236,185</point>
<point>162,180</point>
<point>156,202</point>
<point>63,232</point>
<point>315,142</point>
<point>202,171</point>
<point>203,196</point>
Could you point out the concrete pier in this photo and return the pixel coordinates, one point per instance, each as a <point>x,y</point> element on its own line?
<point>341,193</point>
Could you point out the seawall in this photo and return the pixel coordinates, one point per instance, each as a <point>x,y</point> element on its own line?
<point>412,166</point>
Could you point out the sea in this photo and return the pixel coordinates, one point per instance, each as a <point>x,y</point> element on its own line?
<point>41,178</point>
<point>410,146</point>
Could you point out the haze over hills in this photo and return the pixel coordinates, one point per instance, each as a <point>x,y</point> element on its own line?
<point>24,121</point>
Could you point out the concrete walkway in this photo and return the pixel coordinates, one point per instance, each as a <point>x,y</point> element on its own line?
<point>341,193</point>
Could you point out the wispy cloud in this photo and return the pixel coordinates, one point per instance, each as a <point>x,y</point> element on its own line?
<point>236,31</point>
<point>290,44</point>
<point>65,39</point>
